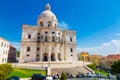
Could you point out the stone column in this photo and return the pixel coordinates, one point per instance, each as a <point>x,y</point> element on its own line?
<point>56,52</point>
<point>49,53</point>
<point>41,54</point>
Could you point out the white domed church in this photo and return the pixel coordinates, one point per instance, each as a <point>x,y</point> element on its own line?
<point>46,41</point>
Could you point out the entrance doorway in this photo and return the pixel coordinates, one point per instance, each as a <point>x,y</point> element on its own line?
<point>52,57</point>
<point>45,57</point>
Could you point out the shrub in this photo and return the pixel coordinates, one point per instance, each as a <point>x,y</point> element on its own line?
<point>63,76</point>
<point>5,70</point>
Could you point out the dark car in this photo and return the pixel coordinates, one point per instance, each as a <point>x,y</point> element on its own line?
<point>118,77</point>
<point>110,76</point>
<point>13,78</point>
<point>79,75</point>
<point>100,76</point>
<point>38,77</point>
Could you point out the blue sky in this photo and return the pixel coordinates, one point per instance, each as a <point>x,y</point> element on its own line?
<point>97,22</point>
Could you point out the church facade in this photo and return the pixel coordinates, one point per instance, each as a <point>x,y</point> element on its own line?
<point>46,41</point>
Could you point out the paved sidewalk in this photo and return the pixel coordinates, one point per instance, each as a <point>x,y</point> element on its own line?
<point>25,79</point>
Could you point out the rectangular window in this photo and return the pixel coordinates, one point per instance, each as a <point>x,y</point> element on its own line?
<point>71,49</point>
<point>45,38</point>
<point>38,49</point>
<point>28,48</point>
<point>71,39</point>
<point>3,60</point>
<point>38,37</point>
<point>41,37</point>
<point>2,44</point>
<point>5,45</point>
<point>29,36</point>
<point>53,38</point>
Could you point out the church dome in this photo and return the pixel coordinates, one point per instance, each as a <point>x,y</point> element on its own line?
<point>47,16</point>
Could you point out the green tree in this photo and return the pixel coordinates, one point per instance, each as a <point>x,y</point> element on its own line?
<point>18,53</point>
<point>63,76</point>
<point>115,67</point>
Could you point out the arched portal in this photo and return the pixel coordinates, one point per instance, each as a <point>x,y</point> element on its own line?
<point>45,57</point>
<point>52,57</point>
<point>59,56</point>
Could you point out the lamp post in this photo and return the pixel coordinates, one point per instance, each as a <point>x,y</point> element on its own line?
<point>83,60</point>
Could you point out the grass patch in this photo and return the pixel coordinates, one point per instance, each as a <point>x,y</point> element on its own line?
<point>101,72</point>
<point>25,73</point>
<point>93,67</point>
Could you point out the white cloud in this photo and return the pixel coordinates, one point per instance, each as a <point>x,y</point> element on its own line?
<point>114,43</point>
<point>63,25</point>
<point>16,45</point>
<point>112,47</point>
<point>118,34</point>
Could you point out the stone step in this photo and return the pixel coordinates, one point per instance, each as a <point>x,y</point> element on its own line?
<point>73,70</point>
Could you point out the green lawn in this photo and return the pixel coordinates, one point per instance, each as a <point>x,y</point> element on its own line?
<point>101,72</point>
<point>25,73</point>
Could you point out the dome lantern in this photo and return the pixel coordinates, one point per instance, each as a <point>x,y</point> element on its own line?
<point>48,6</point>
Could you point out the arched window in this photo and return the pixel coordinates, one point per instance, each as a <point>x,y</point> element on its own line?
<point>28,48</point>
<point>59,39</point>
<point>55,25</point>
<point>41,23</point>
<point>53,38</point>
<point>49,23</point>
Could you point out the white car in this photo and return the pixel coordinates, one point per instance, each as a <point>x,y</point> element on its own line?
<point>49,78</point>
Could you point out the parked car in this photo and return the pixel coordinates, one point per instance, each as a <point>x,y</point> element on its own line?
<point>118,77</point>
<point>110,76</point>
<point>13,78</point>
<point>38,77</point>
<point>90,75</point>
<point>79,75</point>
<point>100,76</point>
<point>49,78</point>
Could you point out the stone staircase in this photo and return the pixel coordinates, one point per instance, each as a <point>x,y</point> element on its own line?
<point>72,70</point>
